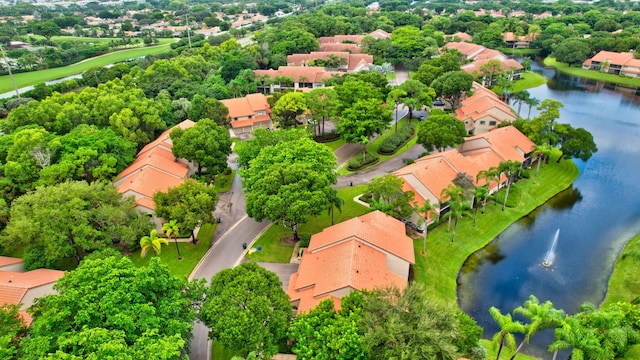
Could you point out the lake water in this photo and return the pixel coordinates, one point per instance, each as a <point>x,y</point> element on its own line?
<point>596,217</point>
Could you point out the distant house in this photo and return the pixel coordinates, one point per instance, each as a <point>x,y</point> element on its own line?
<point>614,63</point>
<point>248,113</point>
<point>478,55</point>
<point>19,287</point>
<point>483,111</point>
<point>292,78</point>
<point>367,252</point>
<point>349,43</point>
<point>429,175</point>
<point>337,61</point>
<point>459,36</point>
<point>518,42</point>
<point>155,169</point>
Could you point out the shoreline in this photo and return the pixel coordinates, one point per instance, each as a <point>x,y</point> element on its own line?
<point>591,74</point>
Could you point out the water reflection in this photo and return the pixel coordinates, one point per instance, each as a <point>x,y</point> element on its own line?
<point>596,216</point>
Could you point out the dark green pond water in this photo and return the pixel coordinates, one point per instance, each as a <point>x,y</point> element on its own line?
<point>596,217</point>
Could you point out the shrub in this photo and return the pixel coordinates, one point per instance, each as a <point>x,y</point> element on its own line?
<point>396,140</point>
<point>409,161</point>
<point>304,240</point>
<point>358,162</point>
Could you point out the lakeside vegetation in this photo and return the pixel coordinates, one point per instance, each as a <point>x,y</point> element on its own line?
<point>591,74</point>
<point>37,77</point>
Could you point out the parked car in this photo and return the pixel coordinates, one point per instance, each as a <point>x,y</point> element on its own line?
<point>438,102</point>
<point>415,227</point>
<point>422,117</point>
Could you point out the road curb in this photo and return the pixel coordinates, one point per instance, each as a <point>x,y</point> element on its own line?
<point>244,253</point>
<point>195,269</point>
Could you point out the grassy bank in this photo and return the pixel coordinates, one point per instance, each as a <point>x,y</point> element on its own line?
<point>591,74</point>
<point>276,250</point>
<point>36,77</point>
<point>191,254</point>
<point>529,80</point>
<point>438,270</point>
<point>520,52</point>
<point>624,284</point>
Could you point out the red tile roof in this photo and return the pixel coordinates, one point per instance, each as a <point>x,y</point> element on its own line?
<point>352,255</point>
<point>5,261</point>
<point>613,58</point>
<point>352,48</point>
<point>352,60</point>
<point>149,181</point>
<point>14,285</point>
<point>313,74</point>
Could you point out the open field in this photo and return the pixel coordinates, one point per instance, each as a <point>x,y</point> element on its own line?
<point>591,74</point>
<point>36,77</point>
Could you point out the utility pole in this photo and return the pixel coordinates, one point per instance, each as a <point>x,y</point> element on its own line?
<point>6,61</point>
<point>186,16</point>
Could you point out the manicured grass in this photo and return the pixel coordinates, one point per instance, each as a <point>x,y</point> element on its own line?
<point>520,52</point>
<point>223,182</point>
<point>591,74</point>
<point>333,145</point>
<point>624,284</point>
<point>391,75</point>
<point>438,270</point>
<point>191,254</point>
<point>529,80</point>
<point>36,77</point>
<point>491,353</point>
<point>276,250</point>
<point>218,352</point>
<point>373,146</point>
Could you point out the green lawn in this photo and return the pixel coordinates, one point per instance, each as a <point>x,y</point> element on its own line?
<point>373,146</point>
<point>223,182</point>
<point>276,250</point>
<point>624,284</point>
<point>191,253</point>
<point>333,145</point>
<point>591,74</point>
<point>438,270</point>
<point>519,52</point>
<point>529,80</point>
<point>36,77</point>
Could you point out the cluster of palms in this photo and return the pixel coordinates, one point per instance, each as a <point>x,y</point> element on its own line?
<point>458,200</point>
<point>592,333</point>
<point>153,242</point>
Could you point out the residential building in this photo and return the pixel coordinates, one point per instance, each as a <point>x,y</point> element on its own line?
<point>19,287</point>
<point>614,63</point>
<point>367,252</point>
<point>518,42</point>
<point>431,174</point>
<point>332,60</point>
<point>483,111</point>
<point>154,169</point>
<point>248,113</point>
<point>478,55</point>
<point>459,36</point>
<point>292,78</point>
<point>328,43</point>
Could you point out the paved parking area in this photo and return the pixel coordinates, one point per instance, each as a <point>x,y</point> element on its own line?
<point>284,271</point>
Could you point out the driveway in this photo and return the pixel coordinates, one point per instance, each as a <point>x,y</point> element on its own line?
<point>284,271</point>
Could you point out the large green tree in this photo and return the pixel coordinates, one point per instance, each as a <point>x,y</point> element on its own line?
<point>365,118</point>
<point>208,108</point>
<point>109,308</point>
<point>572,51</point>
<point>250,149</point>
<point>62,223</point>
<point>12,330</point>
<point>247,310</point>
<point>191,204</point>
<point>289,107</point>
<point>389,197</point>
<point>323,104</point>
<point>575,143</point>
<point>452,85</point>
<point>438,132</point>
<point>418,95</point>
<point>206,143</point>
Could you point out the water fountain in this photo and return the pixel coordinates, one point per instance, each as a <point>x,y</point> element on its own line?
<point>551,253</point>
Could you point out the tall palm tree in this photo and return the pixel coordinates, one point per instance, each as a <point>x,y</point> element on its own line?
<point>152,242</point>
<point>489,175</point>
<point>509,168</point>
<point>458,209</point>
<point>532,102</point>
<point>425,210</point>
<point>505,336</point>
<point>449,194</point>
<point>480,196</point>
<point>541,316</point>
<point>172,230</point>
<point>335,202</point>
<point>543,151</point>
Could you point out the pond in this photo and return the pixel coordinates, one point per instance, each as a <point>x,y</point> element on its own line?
<point>595,217</point>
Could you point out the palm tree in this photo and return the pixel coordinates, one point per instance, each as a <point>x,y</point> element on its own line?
<point>480,196</point>
<point>531,102</point>
<point>458,209</point>
<point>451,193</point>
<point>542,151</point>
<point>509,168</point>
<point>152,242</point>
<point>505,337</point>
<point>172,230</point>
<point>335,202</point>
<point>425,210</point>
<point>488,175</point>
<point>572,334</point>
<point>541,316</point>
<point>519,98</point>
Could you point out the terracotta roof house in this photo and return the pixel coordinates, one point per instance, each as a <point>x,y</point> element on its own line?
<point>429,175</point>
<point>459,36</point>
<point>518,42</point>
<point>298,78</point>
<point>614,63</point>
<point>18,287</point>
<point>366,252</point>
<point>154,169</point>
<point>483,111</point>
<point>326,41</point>
<point>350,48</point>
<point>11,264</point>
<point>479,55</point>
<point>248,113</point>
<point>345,61</point>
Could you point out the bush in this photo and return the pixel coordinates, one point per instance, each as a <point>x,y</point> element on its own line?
<point>396,140</point>
<point>409,161</point>
<point>358,162</point>
<point>327,137</point>
<point>304,240</point>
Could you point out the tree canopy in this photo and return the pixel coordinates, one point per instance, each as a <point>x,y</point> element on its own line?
<point>206,143</point>
<point>437,132</point>
<point>451,85</point>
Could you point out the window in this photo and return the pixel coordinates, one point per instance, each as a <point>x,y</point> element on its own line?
<point>482,122</point>
<point>259,113</point>
<point>492,123</point>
